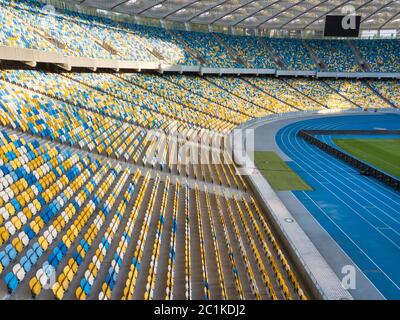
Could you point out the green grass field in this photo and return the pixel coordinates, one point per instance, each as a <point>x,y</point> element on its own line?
<point>381,153</point>
<point>279,175</point>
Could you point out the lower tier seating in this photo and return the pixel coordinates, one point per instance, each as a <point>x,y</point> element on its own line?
<point>94,205</point>
<point>358,92</point>
<point>80,227</point>
<point>388,89</point>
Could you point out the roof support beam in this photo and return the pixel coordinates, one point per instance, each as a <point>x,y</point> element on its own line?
<point>376,11</point>
<point>370,12</point>
<point>179,9</point>
<point>255,12</point>
<point>389,20</point>
<point>302,13</point>
<point>117,5</point>
<point>205,10</point>
<point>150,7</point>
<point>279,13</point>
<point>326,13</point>
<point>231,11</point>
<point>141,11</point>
<point>333,9</point>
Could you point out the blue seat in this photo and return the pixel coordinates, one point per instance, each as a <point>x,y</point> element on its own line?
<point>38,249</point>
<point>26,264</point>
<point>59,255</point>
<point>12,253</point>
<point>33,257</point>
<point>86,287</point>
<point>110,281</point>
<point>136,263</point>
<point>5,260</point>
<point>84,245</point>
<point>77,258</point>
<point>11,281</point>
<point>63,248</point>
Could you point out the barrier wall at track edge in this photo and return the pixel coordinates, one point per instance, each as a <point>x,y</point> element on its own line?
<point>363,167</point>
<point>317,274</point>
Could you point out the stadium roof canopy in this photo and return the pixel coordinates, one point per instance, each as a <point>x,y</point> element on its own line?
<point>260,14</point>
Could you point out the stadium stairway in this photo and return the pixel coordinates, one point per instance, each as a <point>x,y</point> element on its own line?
<point>106,264</point>
<point>273,96</point>
<point>105,181</point>
<point>142,283</point>
<point>229,50</point>
<point>274,55</point>
<point>151,90</point>
<point>175,82</point>
<point>195,54</point>
<point>306,96</point>
<point>390,102</point>
<point>210,80</point>
<point>116,246</point>
<point>317,61</point>
<point>182,272</point>
<point>120,179</point>
<point>362,62</point>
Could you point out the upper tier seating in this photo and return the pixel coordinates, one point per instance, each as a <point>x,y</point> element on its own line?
<point>92,207</point>
<point>165,43</point>
<point>381,55</point>
<point>209,48</point>
<point>27,24</point>
<point>123,42</point>
<point>60,29</point>
<point>336,55</point>
<point>252,50</point>
<point>292,53</point>
<point>16,32</point>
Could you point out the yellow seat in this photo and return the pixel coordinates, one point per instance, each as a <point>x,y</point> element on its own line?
<point>80,294</point>
<point>35,286</point>
<point>17,244</point>
<point>43,243</point>
<point>58,291</point>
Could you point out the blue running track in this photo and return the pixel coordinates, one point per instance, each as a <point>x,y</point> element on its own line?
<point>361,214</point>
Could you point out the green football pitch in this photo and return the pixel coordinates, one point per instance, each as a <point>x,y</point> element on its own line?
<point>381,153</point>
<point>279,175</point>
